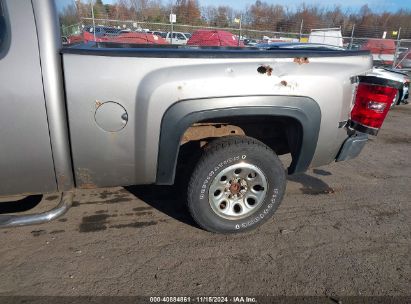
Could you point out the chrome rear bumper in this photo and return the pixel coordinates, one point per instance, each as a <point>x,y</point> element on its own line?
<point>352,147</point>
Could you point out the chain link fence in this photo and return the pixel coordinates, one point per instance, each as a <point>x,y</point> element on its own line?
<point>384,42</point>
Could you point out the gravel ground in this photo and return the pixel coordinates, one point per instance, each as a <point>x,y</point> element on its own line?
<point>343,229</point>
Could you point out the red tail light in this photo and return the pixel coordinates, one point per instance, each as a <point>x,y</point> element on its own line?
<point>372,104</point>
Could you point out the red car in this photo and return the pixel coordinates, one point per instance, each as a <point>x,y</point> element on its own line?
<point>214,38</point>
<point>131,37</point>
<point>382,50</point>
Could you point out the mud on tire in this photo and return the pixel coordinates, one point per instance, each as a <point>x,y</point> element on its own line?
<point>236,186</point>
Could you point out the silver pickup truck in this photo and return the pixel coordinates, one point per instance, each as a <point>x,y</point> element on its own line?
<point>104,114</point>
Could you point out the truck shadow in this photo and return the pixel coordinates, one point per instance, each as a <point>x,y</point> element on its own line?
<point>20,205</point>
<point>312,185</point>
<point>169,200</point>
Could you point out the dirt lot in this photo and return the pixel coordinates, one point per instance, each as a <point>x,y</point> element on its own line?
<point>343,229</point>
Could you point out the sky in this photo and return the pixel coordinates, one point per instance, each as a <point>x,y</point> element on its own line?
<point>354,5</point>
<point>376,6</point>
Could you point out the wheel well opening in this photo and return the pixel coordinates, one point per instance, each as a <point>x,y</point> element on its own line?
<point>282,134</point>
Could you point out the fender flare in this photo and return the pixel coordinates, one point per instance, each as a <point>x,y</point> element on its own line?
<point>181,115</point>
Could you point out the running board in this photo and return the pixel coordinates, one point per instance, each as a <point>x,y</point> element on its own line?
<point>66,200</point>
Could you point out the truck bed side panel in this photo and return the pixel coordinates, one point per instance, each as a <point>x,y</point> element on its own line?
<point>147,86</point>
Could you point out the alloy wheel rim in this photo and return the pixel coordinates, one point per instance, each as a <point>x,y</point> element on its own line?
<point>238,191</point>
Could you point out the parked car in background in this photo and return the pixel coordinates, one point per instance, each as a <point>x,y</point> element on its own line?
<point>267,39</point>
<point>330,36</point>
<point>128,37</point>
<point>158,33</point>
<point>176,38</point>
<point>298,45</point>
<point>382,51</point>
<point>102,30</point>
<point>250,42</point>
<point>353,46</point>
<point>214,38</point>
<point>72,39</point>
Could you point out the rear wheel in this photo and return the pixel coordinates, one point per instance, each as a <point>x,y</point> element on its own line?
<point>237,185</point>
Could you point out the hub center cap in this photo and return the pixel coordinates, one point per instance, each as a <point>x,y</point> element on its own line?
<point>235,188</point>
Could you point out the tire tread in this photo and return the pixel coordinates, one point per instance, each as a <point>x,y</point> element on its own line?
<point>210,149</point>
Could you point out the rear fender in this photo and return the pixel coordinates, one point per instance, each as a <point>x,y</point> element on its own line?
<point>180,116</point>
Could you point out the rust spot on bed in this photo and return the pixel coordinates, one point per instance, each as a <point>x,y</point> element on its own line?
<point>265,69</point>
<point>301,60</point>
<point>85,181</point>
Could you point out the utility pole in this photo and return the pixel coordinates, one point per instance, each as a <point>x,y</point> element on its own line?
<point>94,23</point>
<point>301,30</point>
<point>172,24</point>
<point>239,37</point>
<point>352,36</point>
<point>397,48</point>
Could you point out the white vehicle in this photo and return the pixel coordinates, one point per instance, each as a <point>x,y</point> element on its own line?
<point>250,42</point>
<point>177,38</point>
<point>330,36</point>
<point>267,39</point>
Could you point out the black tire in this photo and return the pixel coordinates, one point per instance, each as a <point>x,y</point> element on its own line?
<point>397,100</point>
<point>399,97</point>
<point>226,153</point>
